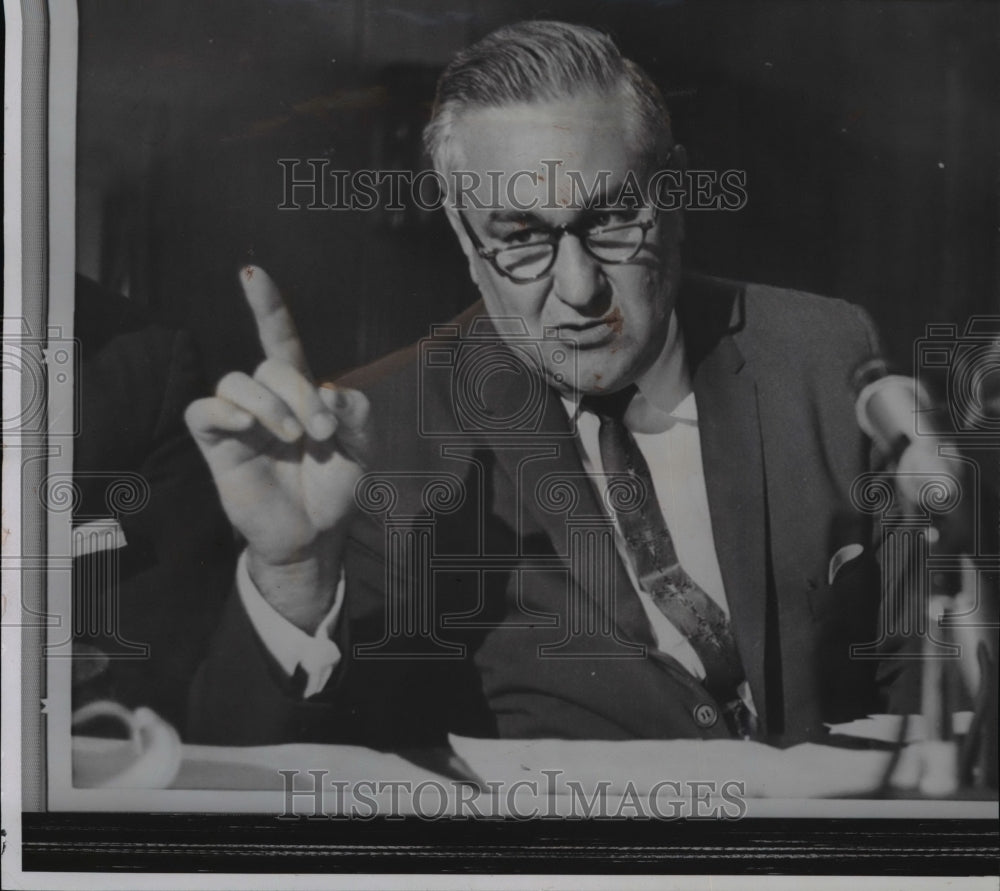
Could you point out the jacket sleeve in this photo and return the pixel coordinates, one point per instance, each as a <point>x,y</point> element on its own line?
<point>242,696</point>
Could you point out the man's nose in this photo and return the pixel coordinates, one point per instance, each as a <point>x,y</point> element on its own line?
<point>579,279</point>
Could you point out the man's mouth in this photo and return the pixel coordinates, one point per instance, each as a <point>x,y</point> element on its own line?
<point>596,332</point>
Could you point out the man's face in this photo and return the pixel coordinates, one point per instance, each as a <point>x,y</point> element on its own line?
<point>617,315</point>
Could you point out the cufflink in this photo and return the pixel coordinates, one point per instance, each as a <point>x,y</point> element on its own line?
<point>97,536</point>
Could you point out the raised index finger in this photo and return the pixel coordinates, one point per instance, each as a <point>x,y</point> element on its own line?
<point>275,325</point>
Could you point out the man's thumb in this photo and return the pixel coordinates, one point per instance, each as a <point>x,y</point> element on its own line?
<point>353,413</point>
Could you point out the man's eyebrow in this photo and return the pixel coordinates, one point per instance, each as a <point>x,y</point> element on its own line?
<point>599,199</point>
<point>606,188</point>
<point>513,216</point>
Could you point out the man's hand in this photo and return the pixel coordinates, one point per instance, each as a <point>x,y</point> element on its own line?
<point>286,456</point>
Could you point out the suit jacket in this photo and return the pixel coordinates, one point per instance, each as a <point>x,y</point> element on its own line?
<point>135,380</point>
<point>473,604</point>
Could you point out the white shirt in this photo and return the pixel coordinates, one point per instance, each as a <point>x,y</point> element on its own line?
<point>663,419</point>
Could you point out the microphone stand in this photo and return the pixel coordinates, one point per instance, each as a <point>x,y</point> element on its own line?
<point>938,751</point>
<point>955,615</point>
<point>949,767</point>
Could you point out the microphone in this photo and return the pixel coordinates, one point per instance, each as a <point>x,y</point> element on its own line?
<point>886,408</point>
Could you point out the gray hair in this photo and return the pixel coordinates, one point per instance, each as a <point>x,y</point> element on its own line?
<point>538,61</point>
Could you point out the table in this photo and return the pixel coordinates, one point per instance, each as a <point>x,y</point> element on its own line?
<point>663,779</point>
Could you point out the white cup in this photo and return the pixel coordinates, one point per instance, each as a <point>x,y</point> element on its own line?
<point>149,759</point>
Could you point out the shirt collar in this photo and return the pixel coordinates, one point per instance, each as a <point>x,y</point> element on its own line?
<point>666,384</point>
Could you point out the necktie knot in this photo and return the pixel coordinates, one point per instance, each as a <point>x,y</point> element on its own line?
<point>610,405</point>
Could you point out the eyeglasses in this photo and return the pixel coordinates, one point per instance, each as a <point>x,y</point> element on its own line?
<point>529,254</point>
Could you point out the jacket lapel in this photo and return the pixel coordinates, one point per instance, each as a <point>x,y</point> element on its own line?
<point>711,312</point>
<point>544,483</point>
<point>550,487</point>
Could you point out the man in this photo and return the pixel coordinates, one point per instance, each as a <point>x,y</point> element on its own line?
<point>527,596</point>
<point>140,635</point>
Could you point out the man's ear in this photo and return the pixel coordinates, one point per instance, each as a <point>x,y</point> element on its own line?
<point>468,248</point>
<point>679,161</point>
<point>678,158</point>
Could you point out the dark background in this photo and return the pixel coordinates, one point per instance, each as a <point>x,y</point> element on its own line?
<point>868,132</point>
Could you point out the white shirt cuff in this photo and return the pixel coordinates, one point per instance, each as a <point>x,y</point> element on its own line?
<point>317,655</point>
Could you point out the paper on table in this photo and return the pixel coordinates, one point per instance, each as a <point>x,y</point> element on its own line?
<point>99,762</point>
<point>805,771</point>
<point>257,767</point>
<point>885,728</point>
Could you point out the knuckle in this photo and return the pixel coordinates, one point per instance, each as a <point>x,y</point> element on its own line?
<point>266,370</point>
<point>274,371</point>
<point>203,416</point>
<point>193,413</point>
<point>229,382</point>
<point>265,402</point>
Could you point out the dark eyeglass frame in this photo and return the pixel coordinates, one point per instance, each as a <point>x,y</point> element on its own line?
<point>554,236</point>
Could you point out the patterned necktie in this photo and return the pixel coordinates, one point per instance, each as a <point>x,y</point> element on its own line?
<point>654,558</point>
